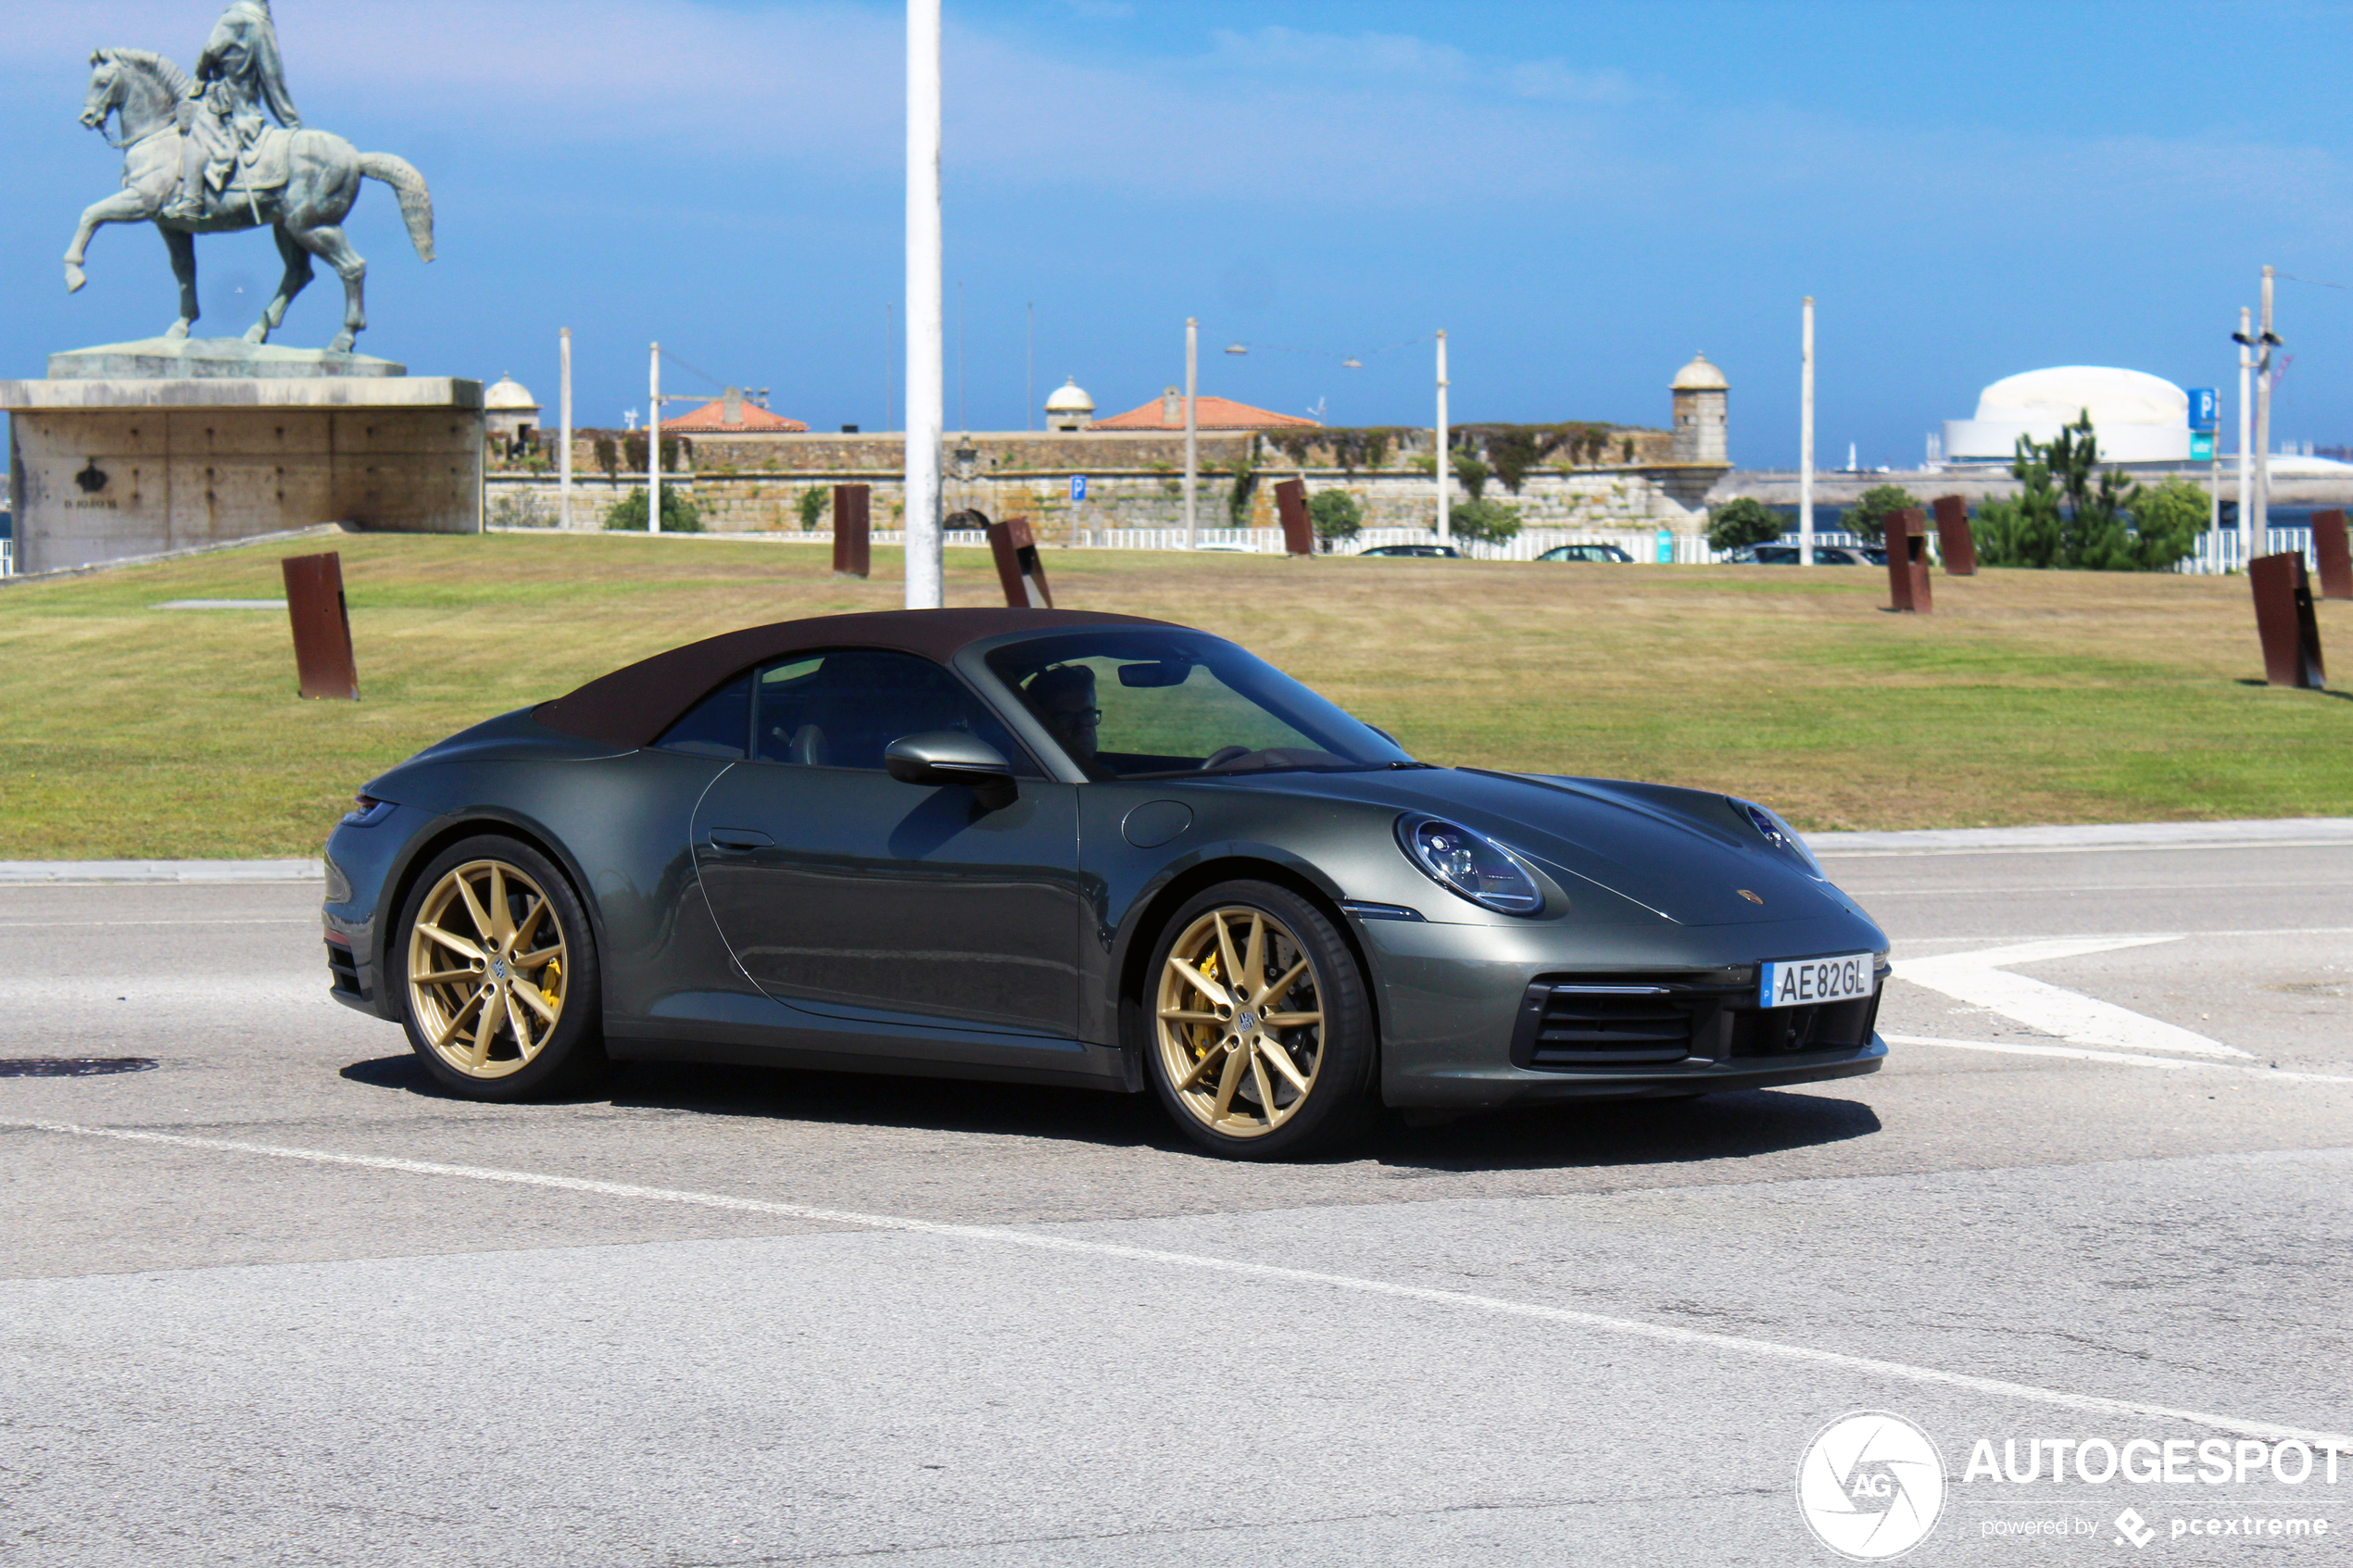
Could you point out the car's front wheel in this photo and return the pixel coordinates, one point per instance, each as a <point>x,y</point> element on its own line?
<point>500,985</point>
<point>1262,1039</point>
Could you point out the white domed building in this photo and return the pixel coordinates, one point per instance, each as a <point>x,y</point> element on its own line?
<point>509,412</point>
<point>1700,394</point>
<point>1070,408</point>
<point>2138,418</point>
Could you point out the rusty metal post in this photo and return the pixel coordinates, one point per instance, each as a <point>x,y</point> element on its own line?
<point>2328,548</point>
<point>1954,541</point>
<point>1018,568</point>
<point>852,539</point>
<point>2284,620</point>
<point>322,626</point>
<point>1908,561</point>
<point>1299,529</point>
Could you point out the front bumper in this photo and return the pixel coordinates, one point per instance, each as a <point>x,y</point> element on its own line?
<point>1454,1002</point>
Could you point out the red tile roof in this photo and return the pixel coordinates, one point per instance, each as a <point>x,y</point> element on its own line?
<point>711,417</point>
<point>1209,413</point>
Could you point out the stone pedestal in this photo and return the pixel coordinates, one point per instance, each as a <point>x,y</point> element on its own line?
<point>104,466</point>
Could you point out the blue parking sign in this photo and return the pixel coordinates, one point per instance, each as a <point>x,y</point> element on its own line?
<point>2205,407</point>
<point>1077,487</point>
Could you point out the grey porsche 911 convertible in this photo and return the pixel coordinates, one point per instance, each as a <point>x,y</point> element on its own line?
<point>1058,848</point>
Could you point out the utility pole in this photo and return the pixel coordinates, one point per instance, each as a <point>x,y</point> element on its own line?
<point>1192,430</point>
<point>926,394</point>
<point>1445,524</point>
<point>1806,440</point>
<point>2245,337</point>
<point>653,446</point>
<point>2265,342</point>
<point>1029,371</point>
<point>563,450</point>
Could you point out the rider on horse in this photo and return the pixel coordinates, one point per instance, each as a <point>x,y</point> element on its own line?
<point>238,75</point>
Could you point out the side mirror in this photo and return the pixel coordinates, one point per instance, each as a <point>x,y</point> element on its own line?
<point>951,757</point>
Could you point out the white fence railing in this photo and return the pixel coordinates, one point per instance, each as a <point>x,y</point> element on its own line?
<point>2219,551</point>
<point>8,558</point>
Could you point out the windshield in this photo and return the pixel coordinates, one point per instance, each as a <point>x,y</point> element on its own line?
<point>1134,704</point>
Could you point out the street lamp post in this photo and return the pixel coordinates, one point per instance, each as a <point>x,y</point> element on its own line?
<point>2244,337</point>
<point>563,449</point>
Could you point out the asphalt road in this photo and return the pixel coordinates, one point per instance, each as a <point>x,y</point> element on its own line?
<point>311,1313</point>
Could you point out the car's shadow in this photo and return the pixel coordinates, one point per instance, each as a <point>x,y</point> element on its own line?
<point>1725,1126</point>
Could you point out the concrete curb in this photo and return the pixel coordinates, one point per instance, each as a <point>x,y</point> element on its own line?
<point>316,531</point>
<point>2278,833</point>
<point>23,872</point>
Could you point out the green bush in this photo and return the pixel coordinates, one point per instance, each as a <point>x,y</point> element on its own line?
<point>1483,522</point>
<point>813,502</point>
<point>1867,517</point>
<point>1740,522</point>
<point>679,514</point>
<point>1473,474</point>
<point>1336,515</point>
<point>2066,515</point>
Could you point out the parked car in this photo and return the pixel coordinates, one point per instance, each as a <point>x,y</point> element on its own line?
<point>1446,552</point>
<point>1786,554</point>
<point>1068,849</point>
<point>1585,552</point>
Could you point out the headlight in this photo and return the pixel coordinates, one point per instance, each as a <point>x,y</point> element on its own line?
<point>366,811</point>
<point>1469,865</point>
<point>1781,835</point>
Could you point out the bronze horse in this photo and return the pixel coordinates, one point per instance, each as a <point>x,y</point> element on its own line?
<point>146,93</point>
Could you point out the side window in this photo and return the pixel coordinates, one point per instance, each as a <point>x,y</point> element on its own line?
<point>716,726</point>
<point>842,708</point>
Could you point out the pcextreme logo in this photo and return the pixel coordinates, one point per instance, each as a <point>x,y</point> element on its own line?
<point>1870,1485</point>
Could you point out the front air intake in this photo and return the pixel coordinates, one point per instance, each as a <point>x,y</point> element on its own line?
<point>1572,1025</point>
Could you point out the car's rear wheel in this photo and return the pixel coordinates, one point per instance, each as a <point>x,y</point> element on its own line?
<point>1262,1039</point>
<point>500,985</point>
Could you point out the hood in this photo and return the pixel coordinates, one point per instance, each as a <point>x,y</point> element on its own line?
<point>1683,853</point>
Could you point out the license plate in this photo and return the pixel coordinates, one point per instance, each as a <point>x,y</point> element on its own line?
<point>1798,983</point>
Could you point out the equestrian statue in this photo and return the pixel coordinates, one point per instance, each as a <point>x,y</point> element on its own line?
<point>201,156</point>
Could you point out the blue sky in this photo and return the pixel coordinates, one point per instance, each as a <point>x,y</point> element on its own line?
<point>1581,194</point>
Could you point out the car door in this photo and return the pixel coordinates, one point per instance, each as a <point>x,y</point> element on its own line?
<point>845,893</point>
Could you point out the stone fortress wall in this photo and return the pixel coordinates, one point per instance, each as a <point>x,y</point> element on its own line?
<point>755,483</point>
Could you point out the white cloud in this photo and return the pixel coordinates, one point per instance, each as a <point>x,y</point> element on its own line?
<point>1558,81</point>
<point>1366,54</point>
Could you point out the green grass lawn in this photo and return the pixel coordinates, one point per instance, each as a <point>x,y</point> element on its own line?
<point>132,731</point>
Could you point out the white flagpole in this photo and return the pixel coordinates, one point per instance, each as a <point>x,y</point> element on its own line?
<point>563,451</point>
<point>925,391</point>
<point>1445,524</point>
<point>1805,443</point>
<point>653,446</point>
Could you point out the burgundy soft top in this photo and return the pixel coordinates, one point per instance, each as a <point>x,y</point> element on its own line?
<point>633,706</point>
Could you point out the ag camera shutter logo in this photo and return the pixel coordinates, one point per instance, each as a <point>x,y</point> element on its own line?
<point>1870,1485</point>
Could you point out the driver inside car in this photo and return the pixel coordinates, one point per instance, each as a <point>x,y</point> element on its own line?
<point>1064,699</point>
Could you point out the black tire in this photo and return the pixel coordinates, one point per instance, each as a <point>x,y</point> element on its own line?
<point>1337,1055</point>
<point>524,1055</point>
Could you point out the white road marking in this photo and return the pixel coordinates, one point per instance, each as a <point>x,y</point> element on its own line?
<point>2212,846</point>
<point>1696,1338</point>
<point>2144,935</point>
<point>1982,979</point>
<point>200,919</point>
<point>2076,1053</point>
<point>2338,884</point>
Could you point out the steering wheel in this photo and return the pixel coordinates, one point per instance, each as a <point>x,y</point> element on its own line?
<point>1221,756</point>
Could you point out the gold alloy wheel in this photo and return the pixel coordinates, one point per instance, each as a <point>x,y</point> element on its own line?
<point>486,968</point>
<point>1240,1028</point>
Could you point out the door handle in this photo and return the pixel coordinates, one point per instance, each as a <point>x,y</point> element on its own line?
<point>740,839</point>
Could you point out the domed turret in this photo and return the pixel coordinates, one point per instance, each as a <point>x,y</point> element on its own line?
<point>1070,408</point>
<point>508,409</point>
<point>1700,396</point>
